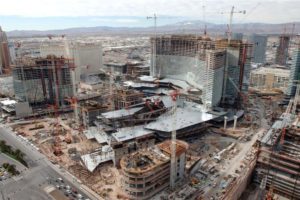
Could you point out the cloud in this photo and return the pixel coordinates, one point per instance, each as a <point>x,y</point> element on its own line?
<point>96,19</point>
<point>127,20</point>
<point>272,11</point>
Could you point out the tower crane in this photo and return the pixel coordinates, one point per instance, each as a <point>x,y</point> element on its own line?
<point>229,34</point>
<point>240,92</point>
<point>292,106</point>
<point>174,96</point>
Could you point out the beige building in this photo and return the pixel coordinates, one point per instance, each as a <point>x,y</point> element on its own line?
<point>4,53</point>
<point>270,78</point>
<point>87,56</point>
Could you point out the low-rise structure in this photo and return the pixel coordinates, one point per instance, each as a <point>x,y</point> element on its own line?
<point>270,78</point>
<point>147,172</point>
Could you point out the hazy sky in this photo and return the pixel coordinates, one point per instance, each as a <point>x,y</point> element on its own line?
<point>56,14</point>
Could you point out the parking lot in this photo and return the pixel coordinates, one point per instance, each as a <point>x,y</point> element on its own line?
<point>64,187</point>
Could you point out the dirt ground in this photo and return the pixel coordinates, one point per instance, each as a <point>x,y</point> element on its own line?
<point>105,180</point>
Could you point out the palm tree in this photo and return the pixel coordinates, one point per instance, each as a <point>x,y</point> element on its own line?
<point>19,154</point>
<point>12,169</point>
<point>5,165</point>
<point>2,145</point>
<point>8,149</point>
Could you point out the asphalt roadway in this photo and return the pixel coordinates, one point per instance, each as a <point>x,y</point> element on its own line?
<point>30,184</point>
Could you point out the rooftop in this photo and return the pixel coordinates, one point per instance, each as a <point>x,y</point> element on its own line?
<point>92,160</point>
<point>7,102</point>
<point>185,117</point>
<point>272,70</point>
<point>151,158</point>
<point>121,113</point>
<point>181,147</point>
<point>139,85</point>
<point>129,133</point>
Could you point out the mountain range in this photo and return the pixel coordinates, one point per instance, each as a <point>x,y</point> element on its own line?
<point>180,27</point>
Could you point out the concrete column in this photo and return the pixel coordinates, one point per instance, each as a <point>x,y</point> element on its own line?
<point>225,122</point>
<point>234,123</point>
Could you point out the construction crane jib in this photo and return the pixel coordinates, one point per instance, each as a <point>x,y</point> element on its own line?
<point>229,34</point>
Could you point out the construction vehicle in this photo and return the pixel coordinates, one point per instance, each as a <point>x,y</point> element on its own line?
<point>194,181</point>
<point>68,139</point>
<point>36,125</point>
<point>270,194</point>
<point>200,197</point>
<point>122,196</point>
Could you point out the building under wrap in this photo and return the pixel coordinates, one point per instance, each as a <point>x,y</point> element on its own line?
<point>259,47</point>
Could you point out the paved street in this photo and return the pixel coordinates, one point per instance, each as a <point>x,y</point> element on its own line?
<point>31,183</point>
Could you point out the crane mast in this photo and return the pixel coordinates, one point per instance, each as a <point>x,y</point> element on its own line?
<point>174,96</point>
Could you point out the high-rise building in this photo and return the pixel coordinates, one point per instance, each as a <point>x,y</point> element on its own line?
<point>201,63</point>
<point>38,81</point>
<point>4,53</point>
<point>259,47</point>
<point>237,36</point>
<point>236,76</point>
<point>295,69</point>
<point>12,53</point>
<point>191,59</point>
<point>87,56</point>
<point>282,50</point>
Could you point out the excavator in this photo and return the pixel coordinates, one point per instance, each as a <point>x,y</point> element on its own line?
<point>68,138</point>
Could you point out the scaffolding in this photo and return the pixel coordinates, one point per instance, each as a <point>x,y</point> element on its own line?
<point>36,80</point>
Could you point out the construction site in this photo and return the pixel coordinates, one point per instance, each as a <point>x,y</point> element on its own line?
<point>195,123</point>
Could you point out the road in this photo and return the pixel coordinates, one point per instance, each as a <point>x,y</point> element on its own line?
<point>31,183</point>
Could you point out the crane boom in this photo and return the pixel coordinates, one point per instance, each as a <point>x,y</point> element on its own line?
<point>228,45</point>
